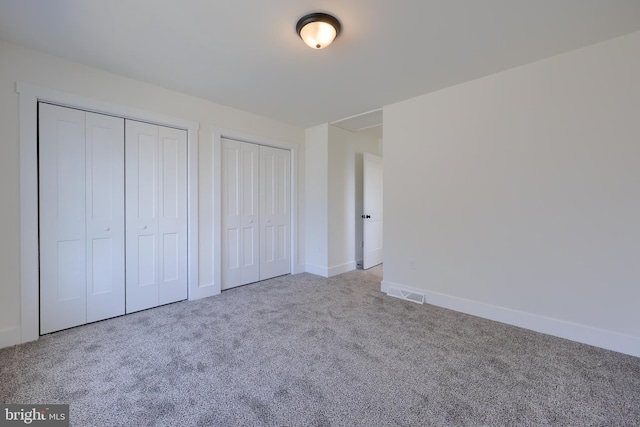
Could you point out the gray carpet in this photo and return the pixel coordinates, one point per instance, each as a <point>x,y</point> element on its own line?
<point>307,351</point>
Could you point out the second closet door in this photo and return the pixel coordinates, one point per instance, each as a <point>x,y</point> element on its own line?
<point>156,215</point>
<point>275,212</point>
<point>256,213</point>
<point>240,214</point>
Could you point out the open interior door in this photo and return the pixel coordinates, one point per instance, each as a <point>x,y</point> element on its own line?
<point>372,206</point>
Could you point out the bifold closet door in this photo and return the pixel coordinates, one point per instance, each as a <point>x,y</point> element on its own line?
<point>81,217</point>
<point>240,213</point>
<point>156,215</point>
<point>256,213</point>
<point>275,212</point>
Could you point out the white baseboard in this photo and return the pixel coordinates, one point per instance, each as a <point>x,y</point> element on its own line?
<point>559,328</point>
<point>330,271</point>
<point>10,337</point>
<point>339,269</point>
<point>317,270</point>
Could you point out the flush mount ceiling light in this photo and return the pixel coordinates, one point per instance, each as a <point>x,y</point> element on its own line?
<point>318,30</point>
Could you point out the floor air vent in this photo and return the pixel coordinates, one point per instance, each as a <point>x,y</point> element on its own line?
<point>406,295</point>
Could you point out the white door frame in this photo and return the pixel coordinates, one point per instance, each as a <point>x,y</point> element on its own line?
<point>29,96</point>
<point>217,135</point>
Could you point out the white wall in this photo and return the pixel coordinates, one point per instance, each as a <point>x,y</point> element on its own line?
<point>316,199</point>
<point>518,195</point>
<point>19,64</point>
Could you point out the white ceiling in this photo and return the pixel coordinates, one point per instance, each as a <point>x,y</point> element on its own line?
<point>246,54</point>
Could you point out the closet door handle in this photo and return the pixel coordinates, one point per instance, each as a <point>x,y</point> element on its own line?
<point>107,229</point>
<point>144,227</point>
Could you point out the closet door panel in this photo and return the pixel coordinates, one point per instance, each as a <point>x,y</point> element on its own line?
<point>275,212</point>
<point>240,216</point>
<point>105,216</point>
<point>172,215</point>
<point>232,215</point>
<point>141,213</point>
<point>62,198</point>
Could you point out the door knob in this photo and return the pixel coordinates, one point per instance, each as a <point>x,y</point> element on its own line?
<point>144,227</point>
<point>107,229</point>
